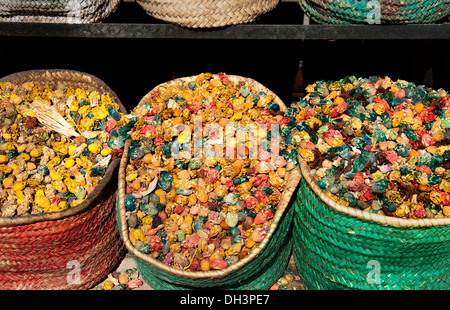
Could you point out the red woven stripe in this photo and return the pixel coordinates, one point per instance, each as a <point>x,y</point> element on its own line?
<point>35,256</point>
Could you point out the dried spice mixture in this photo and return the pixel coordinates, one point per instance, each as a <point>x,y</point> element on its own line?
<point>195,199</point>
<point>379,145</point>
<point>48,167</point>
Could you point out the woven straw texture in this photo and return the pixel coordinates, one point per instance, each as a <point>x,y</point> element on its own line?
<point>47,11</point>
<point>46,251</point>
<point>207,13</point>
<point>337,247</point>
<point>258,270</point>
<point>391,11</point>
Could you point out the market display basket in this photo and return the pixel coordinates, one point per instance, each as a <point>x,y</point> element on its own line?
<point>367,11</point>
<point>71,249</point>
<point>260,269</point>
<point>45,11</point>
<point>207,13</point>
<point>339,247</point>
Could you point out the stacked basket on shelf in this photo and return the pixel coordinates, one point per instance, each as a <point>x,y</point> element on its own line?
<point>376,11</point>
<point>207,13</point>
<point>43,11</point>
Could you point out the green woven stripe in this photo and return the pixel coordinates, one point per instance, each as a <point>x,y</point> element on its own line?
<point>409,242</point>
<point>392,11</point>
<point>352,271</point>
<point>312,275</point>
<point>332,250</point>
<point>259,273</point>
<point>340,256</point>
<point>262,280</point>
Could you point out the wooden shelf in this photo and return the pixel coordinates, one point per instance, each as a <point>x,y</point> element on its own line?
<point>285,22</point>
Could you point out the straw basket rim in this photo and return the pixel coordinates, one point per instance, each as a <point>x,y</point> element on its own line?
<point>377,218</point>
<point>231,77</point>
<point>207,13</point>
<point>21,77</point>
<point>293,178</point>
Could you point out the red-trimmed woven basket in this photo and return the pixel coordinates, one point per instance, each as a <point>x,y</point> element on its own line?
<point>72,249</point>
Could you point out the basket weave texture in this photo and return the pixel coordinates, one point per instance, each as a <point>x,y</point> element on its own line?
<point>43,251</point>
<point>258,270</point>
<point>47,11</point>
<point>390,11</point>
<point>337,247</point>
<point>207,13</point>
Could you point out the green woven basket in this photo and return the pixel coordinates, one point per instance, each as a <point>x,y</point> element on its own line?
<point>337,247</point>
<point>258,270</point>
<point>263,272</point>
<point>388,11</point>
<point>259,274</point>
<point>265,277</point>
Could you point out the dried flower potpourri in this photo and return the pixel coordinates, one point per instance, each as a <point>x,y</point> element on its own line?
<point>55,145</point>
<point>379,145</point>
<point>199,195</point>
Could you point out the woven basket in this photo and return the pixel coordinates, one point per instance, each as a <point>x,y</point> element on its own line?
<point>391,11</point>
<point>338,247</point>
<point>48,11</point>
<point>207,13</point>
<point>42,251</point>
<point>258,270</point>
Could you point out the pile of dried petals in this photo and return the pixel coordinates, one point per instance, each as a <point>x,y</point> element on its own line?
<point>195,199</point>
<point>379,145</point>
<point>42,170</point>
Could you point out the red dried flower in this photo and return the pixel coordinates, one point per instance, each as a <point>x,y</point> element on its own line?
<point>223,77</point>
<point>427,115</point>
